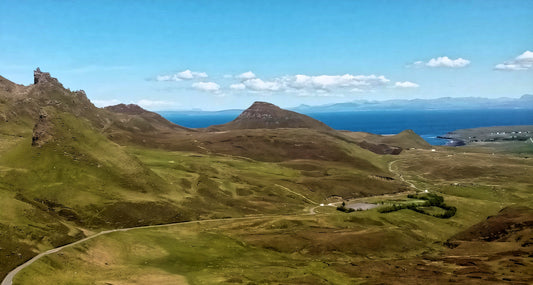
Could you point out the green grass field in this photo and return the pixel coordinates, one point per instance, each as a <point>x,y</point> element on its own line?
<point>245,205</point>
<point>294,247</point>
<point>81,183</point>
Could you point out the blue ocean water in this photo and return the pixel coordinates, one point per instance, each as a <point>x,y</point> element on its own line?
<point>428,123</point>
<point>199,119</point>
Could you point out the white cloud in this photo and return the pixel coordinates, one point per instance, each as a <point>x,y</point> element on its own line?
<point>321,83</point>
<point>406,84</point>
<point>105,103</point>
<point>417,64</point>
<point>187,74</point>
<point>526,56</point>
<point>147,104</point>
<point>238,86</point>
<point>246,75</point>
<point>257,84</point>
<point>508,66</point>
<point>207,86</point>
<point>184,75</point>
<point>329,82</point>
<point>444,61</point>
<point>166,78</point>
<point>521,62</point>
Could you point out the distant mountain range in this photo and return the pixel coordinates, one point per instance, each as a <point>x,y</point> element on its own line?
<point>445,103</point>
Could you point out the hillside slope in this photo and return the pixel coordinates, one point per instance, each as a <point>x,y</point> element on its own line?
<point>405,140</point>
<point>263,115</point>
<point>68,168</point>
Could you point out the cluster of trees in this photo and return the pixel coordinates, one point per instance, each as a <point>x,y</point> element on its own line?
<point>343,208</point>
<point>430,200</point>
<point>449,211</point>
<point>396,207</point>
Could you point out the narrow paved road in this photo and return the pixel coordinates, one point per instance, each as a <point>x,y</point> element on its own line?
<point>8,280</point>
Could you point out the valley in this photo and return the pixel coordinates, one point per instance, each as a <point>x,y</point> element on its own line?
<point>328,247</point>
<point>140,200</point>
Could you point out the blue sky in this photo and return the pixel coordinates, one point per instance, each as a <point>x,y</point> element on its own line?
<point>212,55</point>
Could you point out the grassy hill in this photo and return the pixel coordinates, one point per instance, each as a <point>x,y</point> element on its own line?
<point>332,247</point>
<point>405,140</point>
<point>263,115</point>
<point>69,170</point>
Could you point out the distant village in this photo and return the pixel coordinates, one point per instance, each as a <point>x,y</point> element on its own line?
<point>491,134</point>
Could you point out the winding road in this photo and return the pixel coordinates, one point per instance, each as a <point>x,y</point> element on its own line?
<point>8,280</point>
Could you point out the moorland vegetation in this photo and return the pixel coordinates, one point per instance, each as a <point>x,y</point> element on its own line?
<point>242,202</point>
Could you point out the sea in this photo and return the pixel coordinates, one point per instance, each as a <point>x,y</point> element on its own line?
<point>427,123</point>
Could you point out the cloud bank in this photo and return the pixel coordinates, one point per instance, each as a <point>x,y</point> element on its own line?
<point>206,86</point>
<point>246,75</point>
<point>301,84</point>
<point>149,104</point>
<point>521,62</point>
<point>308,83</point>
<point>257,84</point>
<point>238,86</point>
<point>184,75</point>
<point>406,84</point>
<point>443,61</point>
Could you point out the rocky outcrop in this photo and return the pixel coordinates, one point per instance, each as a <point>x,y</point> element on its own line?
<point>40,77</point>
<point>41,131</point>
<point>130,109</point>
